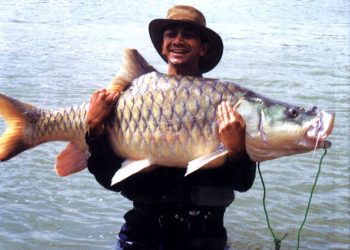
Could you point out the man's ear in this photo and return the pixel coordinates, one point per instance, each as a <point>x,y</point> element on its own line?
<point>204,49</point>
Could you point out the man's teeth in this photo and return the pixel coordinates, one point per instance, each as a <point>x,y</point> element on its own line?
<point>178,51</point>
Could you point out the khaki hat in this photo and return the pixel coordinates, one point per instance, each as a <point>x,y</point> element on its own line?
<point>187,15</point>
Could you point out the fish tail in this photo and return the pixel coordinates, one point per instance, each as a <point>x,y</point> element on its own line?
<point>11,141</point>
<point>133,66</point>
<point>28,126</point>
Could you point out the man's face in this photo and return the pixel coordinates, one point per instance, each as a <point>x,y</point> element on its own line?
<point>182,46</point>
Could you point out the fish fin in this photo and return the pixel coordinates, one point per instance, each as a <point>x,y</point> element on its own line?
<point>216,158</point>
<point>134,65</point>
<point>128,168</point>
<point>14,114</point>
<point>71,160</point>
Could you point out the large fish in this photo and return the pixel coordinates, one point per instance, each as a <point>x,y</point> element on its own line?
<point>168,121</point>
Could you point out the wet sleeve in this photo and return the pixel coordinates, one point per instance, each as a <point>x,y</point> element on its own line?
<point>241,172</point>
<point>103,162</point>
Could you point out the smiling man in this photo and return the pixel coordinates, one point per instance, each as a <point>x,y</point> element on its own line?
<point>170,211</point>
<point>182,48</point>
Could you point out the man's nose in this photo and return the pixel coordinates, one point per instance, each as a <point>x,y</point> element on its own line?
<point>179,38</point>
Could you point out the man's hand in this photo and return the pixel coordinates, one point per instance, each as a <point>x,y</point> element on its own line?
<point>231,128</point>
<point>101,105</point>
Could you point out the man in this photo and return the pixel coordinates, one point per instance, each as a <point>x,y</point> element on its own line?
<point>172,211</point>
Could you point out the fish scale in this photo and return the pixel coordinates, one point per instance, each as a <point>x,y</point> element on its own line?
<point>49,125</point>
<point>171,116</point>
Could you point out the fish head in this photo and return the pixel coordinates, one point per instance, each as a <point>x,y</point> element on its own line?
<point>280,129</point>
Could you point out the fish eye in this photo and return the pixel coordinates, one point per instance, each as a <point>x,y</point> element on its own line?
<point>293,113</point>
<point>301,109</point>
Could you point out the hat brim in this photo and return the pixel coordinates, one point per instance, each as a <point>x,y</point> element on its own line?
<point>207,62</point>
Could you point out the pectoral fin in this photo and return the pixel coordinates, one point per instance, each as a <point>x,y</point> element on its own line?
<point>71,160</point>
<point>216,158</point>
<point>129,168</point>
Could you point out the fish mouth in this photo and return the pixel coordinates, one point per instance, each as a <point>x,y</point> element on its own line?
<point>319,129</point>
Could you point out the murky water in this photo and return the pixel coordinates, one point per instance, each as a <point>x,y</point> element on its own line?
<point>56,53</point>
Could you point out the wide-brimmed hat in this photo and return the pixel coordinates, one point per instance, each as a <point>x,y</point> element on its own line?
<point>187,15</point>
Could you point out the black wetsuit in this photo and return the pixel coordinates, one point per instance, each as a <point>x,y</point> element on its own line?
<point>172,211</point>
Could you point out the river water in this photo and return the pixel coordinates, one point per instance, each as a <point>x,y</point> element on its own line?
<point>56,53</point>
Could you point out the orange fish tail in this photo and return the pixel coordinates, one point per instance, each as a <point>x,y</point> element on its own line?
<point>11,141</point>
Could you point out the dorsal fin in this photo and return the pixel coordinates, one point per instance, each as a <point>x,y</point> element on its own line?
<point>134,65</point>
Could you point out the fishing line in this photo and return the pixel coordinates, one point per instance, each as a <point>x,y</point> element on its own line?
<point>276,240</point>
<point>318,138</point>
<point>312,192</point>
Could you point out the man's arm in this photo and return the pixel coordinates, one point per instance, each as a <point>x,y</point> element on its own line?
<point>103,162</point>
<point>242,174</point>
